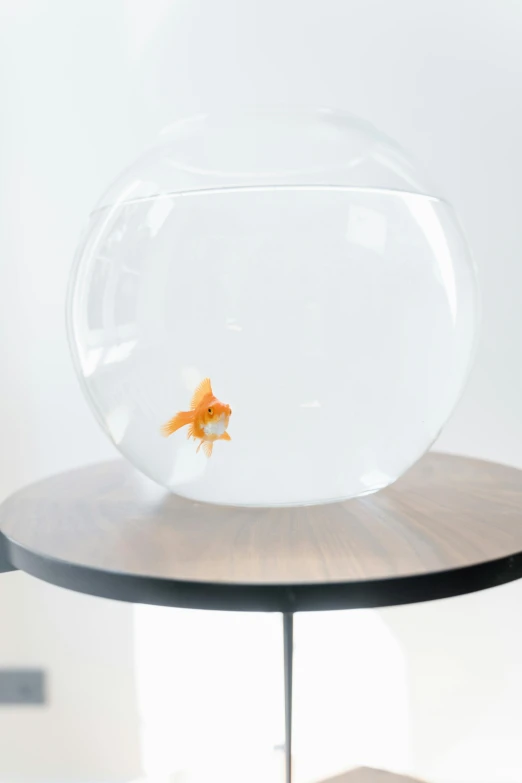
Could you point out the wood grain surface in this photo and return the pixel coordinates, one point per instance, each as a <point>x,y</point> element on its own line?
<point>447,514</point>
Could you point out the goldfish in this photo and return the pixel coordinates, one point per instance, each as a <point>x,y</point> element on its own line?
<point>207,419</point>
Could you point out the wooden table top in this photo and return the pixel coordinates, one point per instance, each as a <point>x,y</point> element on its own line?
<point>451,525</point>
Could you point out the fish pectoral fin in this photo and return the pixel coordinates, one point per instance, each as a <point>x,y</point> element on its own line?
<point>207,448</point>
<point>203,390</point>
<point>225,436</point>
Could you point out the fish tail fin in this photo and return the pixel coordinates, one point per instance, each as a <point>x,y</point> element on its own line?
<point>179,420</point>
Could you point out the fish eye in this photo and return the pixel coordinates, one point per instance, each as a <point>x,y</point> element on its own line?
<point>210,411</point>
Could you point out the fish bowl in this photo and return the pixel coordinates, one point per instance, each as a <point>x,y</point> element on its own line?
<point>272,308</point>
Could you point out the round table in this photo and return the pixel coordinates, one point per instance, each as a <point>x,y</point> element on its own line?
<point>451,525</point>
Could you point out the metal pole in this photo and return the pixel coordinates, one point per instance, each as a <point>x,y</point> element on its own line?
<point>288,630</point>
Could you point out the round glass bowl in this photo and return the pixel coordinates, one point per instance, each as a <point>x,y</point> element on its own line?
<point>303,264</point>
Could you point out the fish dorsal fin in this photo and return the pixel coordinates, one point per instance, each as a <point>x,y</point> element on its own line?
<point>203,390</point>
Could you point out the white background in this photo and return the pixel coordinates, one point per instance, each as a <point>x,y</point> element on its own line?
<point>83,86</point>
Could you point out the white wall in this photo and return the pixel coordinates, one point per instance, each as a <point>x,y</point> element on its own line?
<point>51,169</point>
<point>88,729</point>
<point>83,86</point>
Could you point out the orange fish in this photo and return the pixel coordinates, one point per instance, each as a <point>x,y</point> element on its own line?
<point>207,419</point>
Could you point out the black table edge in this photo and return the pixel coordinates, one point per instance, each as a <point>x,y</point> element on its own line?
<point>249,597</point>
<point>5,564</point>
